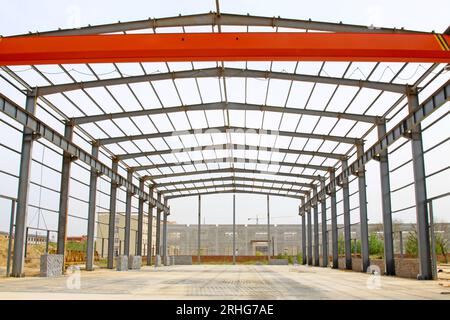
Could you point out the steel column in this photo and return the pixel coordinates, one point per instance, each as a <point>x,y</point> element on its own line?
<point>309,228</point>
<point>140,226</point>
<point>316,228</point>
<point>158,227</point>
<point>234,229</point>
<point>347,223</point>
<point>334,229</point>
<point>423,232</point>
<point>10,236</point>
<point>164,237</point>
<point>126,247</point>
<point>22,194</point>
<point>112,217</point>
<point>150,227</point>
<point>268,229</point>
<point>363,220</point>
<point>386,205</point>
<point>302,213</point>
<point>92,213</point>
<point>323,203</point>
<point>64,195</point>
<point>198,228</point>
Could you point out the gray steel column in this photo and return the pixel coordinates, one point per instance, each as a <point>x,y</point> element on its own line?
<point>158,226</point>
<point>423,232</point>
<point>386,206</point>
<point>268,228</point>
<point>316,228</point>
<point>334,229</point>
<point>164,237</point>
<point>234,229</point>
<point>64,194</point>
<point>150,228</point>
<point>92,213</point>
<point>22,194</point>
<point>126,247</point>
<point>140,226</point>
<point>112,217</point>
<point>309,228</point>
<point>302,213</point>
<point>323,203</point>
<point>363,220</point>
<point>347,223</point>
<point>198,227</point>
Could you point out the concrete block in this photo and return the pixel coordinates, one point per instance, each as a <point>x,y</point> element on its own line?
<point>51,265</point>
<point>278,262</point>
<point>134,262</point>
<point>157,261</point>
<point>122,263</point>
<point>182,260</point>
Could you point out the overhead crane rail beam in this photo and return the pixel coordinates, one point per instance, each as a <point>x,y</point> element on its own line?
<point>233,46</point>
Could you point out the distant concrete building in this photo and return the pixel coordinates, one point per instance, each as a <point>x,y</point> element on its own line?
<point>218,239</point>
<point>253,240</point>
<point>101,240</point>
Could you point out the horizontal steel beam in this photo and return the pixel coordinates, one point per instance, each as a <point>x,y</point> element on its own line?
<point>228,46</point>
<point>234,185</point>
<point>236,170</point>
<point>223,106</point>
<point>230,146</point>
<point>225,129</point>
<point>40,129</point>
<point>235,191</point>
<point>222,72</point>
<point>230,160</point>
<point>402,129</point>
<point>235,178</point>
<point>223,19</point>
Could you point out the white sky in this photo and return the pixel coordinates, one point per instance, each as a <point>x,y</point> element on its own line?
<point>23,16</point>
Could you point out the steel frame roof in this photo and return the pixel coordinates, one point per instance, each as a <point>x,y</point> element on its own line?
<point>89,124</point>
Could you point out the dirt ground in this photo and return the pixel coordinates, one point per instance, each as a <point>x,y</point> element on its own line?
<point>32,261</point>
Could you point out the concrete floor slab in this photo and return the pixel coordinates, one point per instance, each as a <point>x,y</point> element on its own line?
<point>221,282</point>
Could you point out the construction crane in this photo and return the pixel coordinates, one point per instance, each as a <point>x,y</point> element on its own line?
<point>271,218</point>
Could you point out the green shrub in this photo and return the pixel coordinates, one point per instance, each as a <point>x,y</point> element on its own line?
<point>411,244</point>
<point>376,245</point>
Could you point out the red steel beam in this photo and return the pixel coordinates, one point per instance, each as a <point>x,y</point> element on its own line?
<point>271,46</point>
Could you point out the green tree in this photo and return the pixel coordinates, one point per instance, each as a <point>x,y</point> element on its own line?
<point>441,246</point>
<point>412,244</point>
<point>341,244</point>
<point>358,246</point>
<point>376,245</point>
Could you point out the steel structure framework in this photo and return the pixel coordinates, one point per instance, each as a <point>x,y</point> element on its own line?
<point>177,178</point>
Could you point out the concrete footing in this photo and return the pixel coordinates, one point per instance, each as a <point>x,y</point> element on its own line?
<point>122,263</point>
<point>157,261</point>
<point>134,262</point>
<point>51,265</point>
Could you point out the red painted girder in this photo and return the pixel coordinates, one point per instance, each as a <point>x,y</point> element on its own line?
<point>34,50</point>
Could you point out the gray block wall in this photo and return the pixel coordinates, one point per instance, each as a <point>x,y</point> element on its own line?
<point>182,260</point>
<point>278,262</point>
